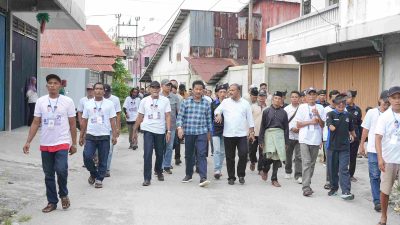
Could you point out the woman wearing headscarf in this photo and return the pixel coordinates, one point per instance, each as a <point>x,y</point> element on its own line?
<point>32,96</point>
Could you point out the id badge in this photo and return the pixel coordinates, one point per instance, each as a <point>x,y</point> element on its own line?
<point>156,115</point>
<point>393,139</point>
<point>99,120</point>
<point>51,123</point>
<point>311,128</point>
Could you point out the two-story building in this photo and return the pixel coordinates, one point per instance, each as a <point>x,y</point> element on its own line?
<point>343,45</point>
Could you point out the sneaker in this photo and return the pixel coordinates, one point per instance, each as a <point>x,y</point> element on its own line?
<point>231,181</point>
<point>167,170</point>
<point>160,177</point>
<point>108,174</point>
<point>241,180</point>
<point>307,192</point>
<point>187,179</point>
<point>378,207</point>
<point>353,179</point>
<point>91,180</point>
<point>299,180</point>
<point>134,147</point>
<point>332,193</point>
<point>327,186</point>
<point>178,162</point>
<point>288,176</point>
<point>146,183</point>
<point>98,184</point>
<point>347,196</point>
<point>217,175</point>
<point>204,182</point>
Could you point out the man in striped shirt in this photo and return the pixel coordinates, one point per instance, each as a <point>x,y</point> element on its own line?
<point>194,121</point>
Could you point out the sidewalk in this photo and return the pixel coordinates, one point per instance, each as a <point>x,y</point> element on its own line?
<point>124,201</point>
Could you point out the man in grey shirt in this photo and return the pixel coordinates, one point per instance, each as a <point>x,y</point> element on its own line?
<point>175,102</point>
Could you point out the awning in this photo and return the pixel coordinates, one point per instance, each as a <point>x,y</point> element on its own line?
<point>211,70</point>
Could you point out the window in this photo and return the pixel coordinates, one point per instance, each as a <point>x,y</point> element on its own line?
<point>146,61</point>
<point>178,57</point>
<point>170,53</point>
<point>333,2</point>
<point>306,7</point>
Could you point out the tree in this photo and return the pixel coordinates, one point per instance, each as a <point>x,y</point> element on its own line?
<point>119,86</point>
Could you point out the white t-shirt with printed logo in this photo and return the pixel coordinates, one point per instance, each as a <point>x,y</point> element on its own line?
<point>369,122</point>
<point>312,134</point>
<point>98,114</point>
<point>154,111</point>
<point>386,127</point>
<point>55,128</point>
<point>132,107</point>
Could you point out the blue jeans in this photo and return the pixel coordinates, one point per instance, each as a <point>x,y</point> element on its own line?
<point>338,162</point>
<point>219,152</point>
<point>55,163</point>
<point>157,142</point>
<point>168,151</point>
<point>110,154</point>
<point>103,148</point>
<point>374,177</point>
<point>197,143</point>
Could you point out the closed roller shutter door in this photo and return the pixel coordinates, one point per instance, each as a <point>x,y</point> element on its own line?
<point>312,75</point>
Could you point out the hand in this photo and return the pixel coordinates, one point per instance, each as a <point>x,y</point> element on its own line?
<point>315,112</point>
<point>168,137</point>
<point>81,141</point>
<point>114,140</point>
<point>134,136</point>
<point>72,150</point>
<point>332,128</point>
<point>295,130</point>
<point>218,118</point>
<point>127,115</point>
<point>381,164</point>
<point>118,133</point>
<point>26,148</point>
<point>209,136</point>
<point>261,145</point>
<point>361,149</point>
<point>180,133</point>
<point>251,137</point>
<point>351,139</point>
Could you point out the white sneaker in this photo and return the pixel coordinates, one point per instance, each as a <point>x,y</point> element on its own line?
<point>299,180</point>
<point>288,176</point>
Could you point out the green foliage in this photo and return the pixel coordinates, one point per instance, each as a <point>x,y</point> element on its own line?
<point>119,86</point>
<point>8,222</point>
<point>24,218</point>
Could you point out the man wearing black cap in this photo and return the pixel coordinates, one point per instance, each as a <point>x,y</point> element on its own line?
<point>273,138</point>
<point>55,114</point>
<point>130,107</point>
<point>154,118</point>
<point>369,125</point>
<point>117,107</point>
<point>253,96</point>
<point>387,143</point>
<point>356,113</point>
<point>340,125</point>
<point>322,98</point>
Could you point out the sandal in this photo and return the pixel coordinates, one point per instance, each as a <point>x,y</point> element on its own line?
<point>50,207</point>
<point>264,176</point>
<point>381,223</point>
<point>65,202</point>
<point>327,186</point>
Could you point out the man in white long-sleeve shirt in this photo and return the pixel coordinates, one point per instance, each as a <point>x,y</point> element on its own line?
<point>238,123</point>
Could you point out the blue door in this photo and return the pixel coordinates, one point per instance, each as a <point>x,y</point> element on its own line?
<point>2,68</point>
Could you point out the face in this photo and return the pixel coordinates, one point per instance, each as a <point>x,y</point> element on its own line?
<point>311,97</point>
<point>89,92</point>
<point>395,101</point>
<point>384,105</point>
<point>333,97</point>
<point>134,93</point>
<point>155,91</point>
<point>222,94</point>
<point>99,91</point>
<point>198,91</point>
<point>322,97</point>
<point>53,86</point>
<point>340,107</point>
<point>166,88</point>
<point>277,101</point>
<point>174,82</point>
<point>253,98</point>
<point>294,99</point>
<point>234,91</point>
<point>209,93</point>
<point>262,99</point>
<point>174,90</point>
<point>263,87</point>
<point>350,100</point>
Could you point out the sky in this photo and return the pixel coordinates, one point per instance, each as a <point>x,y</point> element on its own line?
<point>155,15</point>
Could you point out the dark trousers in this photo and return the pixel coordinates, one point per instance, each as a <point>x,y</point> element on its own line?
<point>196,147</point>
<point>55,163</point>
<point>253,148</point>
<point>293,148</point>
<point>353,157</point>
<point>103,148</point>
<point>177,147</point>
<point>339,170</point>
<point>231,143</point>
<point>157,142</point>
<point>275,166</point>
<point>31,107</point>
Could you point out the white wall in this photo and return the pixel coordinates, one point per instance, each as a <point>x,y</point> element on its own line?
<point>391,66</point>
<point>166,69</point>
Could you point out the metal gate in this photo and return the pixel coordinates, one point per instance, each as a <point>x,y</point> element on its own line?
<point>2,68</point>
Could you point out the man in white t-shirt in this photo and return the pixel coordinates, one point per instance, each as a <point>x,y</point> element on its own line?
<point>154,119</point>
<point>310,120</point>
<point>117,108</point>
<point>387,144</point>
<point>98,119</point>
<point>369,125</point>
<point>131,107</point>
<point>82,101</point>
<point>56,115</point>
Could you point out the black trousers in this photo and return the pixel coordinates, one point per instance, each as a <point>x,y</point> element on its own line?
<point>231,143</point>
<point>253,148</point>
<point>275,166</point>
<point>177,147</point>
<point>353,157</point>
<point>31,112</point>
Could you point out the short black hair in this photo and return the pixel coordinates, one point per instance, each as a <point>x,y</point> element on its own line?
<point>333,92</point>
<point>98,83</point>
<point>237,86</point>
<point>295,92</point>
<point>263,84</point>
<point>133,89</point>
<point>198,82</point>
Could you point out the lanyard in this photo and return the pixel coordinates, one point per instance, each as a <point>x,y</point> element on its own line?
<point>396,122</point>
<point>98,109</point>
<point>154,105</point>
<point>309,112</point>
<point>53,109</point>
<point>133,100</point>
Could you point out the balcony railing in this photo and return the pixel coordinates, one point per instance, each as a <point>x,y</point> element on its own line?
<point>307,23</point>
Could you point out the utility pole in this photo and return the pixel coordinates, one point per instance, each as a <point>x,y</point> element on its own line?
<point>118,16</point>
<point>137,54</point>
<point>250,45</point>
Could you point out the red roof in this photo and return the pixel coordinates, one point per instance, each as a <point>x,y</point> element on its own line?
<point>91,49</point>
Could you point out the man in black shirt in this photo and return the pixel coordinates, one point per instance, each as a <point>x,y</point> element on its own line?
<point>275,127</point>
<point>322,98</point>
<point>341,133</point>
<point>356,113</point>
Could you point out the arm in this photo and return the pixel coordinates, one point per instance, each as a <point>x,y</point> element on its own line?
<point>118,122</point>
<point>168,121</point>
<point>209,121</point>
<point>114,129</point>
<point>125,112</point>
<point>80,117</point>
<point>72,129</point>
<point>83,131</point>
<point>250,121</point>
<point>179,120</point>
<point>286,126</point>
<point>364,135</point>
<point>32,132</point>
<point>139,120</point>
<point>218,112</point>
<point>262,128</point>
<point>378,146</point>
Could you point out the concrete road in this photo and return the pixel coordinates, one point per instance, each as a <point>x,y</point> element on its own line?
<point>124,201</point>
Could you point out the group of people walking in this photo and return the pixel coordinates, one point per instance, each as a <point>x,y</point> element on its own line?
<point>260,124</point>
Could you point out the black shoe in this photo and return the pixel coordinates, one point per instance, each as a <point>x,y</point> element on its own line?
<point>187,179</point>
<point>204,182</point>
<point>130,147</point>
<point>378,207</point>
<point>307,193</point>
<point>108,174</point>
<point>231,181</point>
<point>178,162</point>
<point>217,176</point>
<point>160,177</point>
<point>146,183</point>
<point>134,147</point>
<point>197,170</point>
<point>332,193</point>
<point>241,180</point>
<point>91,180</point>
<point>171,167</point>
<point>167,170</point>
